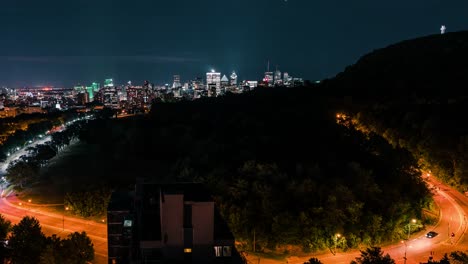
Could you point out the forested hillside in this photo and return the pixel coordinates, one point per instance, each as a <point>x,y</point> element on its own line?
<point>278,164</point>
<point>413,94</point>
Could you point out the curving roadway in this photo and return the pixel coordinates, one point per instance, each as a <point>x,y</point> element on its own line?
<point>452,218</point>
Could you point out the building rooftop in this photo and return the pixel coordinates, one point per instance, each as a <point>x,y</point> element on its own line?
<point>193,192</point>
<point>120,201</point>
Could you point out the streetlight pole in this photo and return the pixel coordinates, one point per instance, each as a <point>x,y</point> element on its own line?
<point>63,219</point>
<point>405,250</point>
<point>336,240</point>
<point>413,221</point>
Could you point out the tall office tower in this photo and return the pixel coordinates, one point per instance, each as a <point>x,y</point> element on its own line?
<point>278,80</point>
<point>79,88</point>
<point>268,79</point>
<point>176,83</point>
<point>96,87</point>
<point>224,81</point>
<point>213,81</point>
<point>233,78</point>
<point>287,79</point>
<point>197,84</point>
<point>109,83</point>
<point>90,91</point>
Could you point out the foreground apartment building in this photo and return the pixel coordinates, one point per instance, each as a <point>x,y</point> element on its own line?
<point>167,223</point>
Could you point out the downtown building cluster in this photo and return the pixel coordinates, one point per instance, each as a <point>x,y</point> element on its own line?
<point>130,98</point>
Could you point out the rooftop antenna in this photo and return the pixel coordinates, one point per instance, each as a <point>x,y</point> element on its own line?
<point>268,68</point>
<point>442,29</point>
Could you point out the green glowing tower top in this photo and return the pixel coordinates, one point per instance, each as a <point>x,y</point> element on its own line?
<point>90,91</point>
<point>109,83</point>
<point>96,87</point>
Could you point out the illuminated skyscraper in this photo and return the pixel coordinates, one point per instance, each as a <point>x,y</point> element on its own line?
<point>287,79</point>
<point>278,80</point>
<point>96,87</point>
<point>268,79</point>
<point>224,81</point>
<point>233,79</point>
<point>109,83</point>
<point>176,83</point>
<point>213,82</point>
<point>90,91</point>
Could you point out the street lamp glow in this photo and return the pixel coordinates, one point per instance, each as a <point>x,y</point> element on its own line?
<point>29,200</point>
<point>338,235</point>
<point>413,221</point>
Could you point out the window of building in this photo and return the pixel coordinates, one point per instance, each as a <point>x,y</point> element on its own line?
<point>218,251</point>
<point>128,223</point>
<point>227,251</point>
<point>187,250</point>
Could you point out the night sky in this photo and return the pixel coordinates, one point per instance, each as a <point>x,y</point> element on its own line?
<point>65,42</point>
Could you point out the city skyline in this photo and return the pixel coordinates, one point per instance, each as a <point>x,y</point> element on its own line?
<point>52,43</point>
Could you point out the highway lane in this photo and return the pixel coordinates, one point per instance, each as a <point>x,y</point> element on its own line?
<point>60,225</point>
<point>52,223</point>
<point>453,210</point>
<point>22,151</point>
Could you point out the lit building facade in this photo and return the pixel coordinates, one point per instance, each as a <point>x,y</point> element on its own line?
<point>213,83</point>
<point>233,78</point>
<point>176,84</point>
<point>108,83</point>
<point>278,80</point>
<point>173,223</point>
<point>268,79</point>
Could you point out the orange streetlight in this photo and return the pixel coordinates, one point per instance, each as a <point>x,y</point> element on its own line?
<point>413,221</point>
<point>403,242</point>
<point>336,240</point>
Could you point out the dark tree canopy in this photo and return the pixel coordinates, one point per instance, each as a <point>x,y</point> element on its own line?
<point>27,241</point>
<point>373,255</point>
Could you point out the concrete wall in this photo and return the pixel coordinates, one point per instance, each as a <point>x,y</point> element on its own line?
<point>203,223</point>
<point>203,231</point>
<point>172,217</point>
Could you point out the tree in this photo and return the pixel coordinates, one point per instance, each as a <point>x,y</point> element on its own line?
<point>21,173</point>
<point>373,255</point>
<point>48,256</point>
<point>5,227</point>
<point>313,261</point>
<point>26,241</point>
<point>459,257</point>
<point>53,252</point>
<point>78,248</point>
